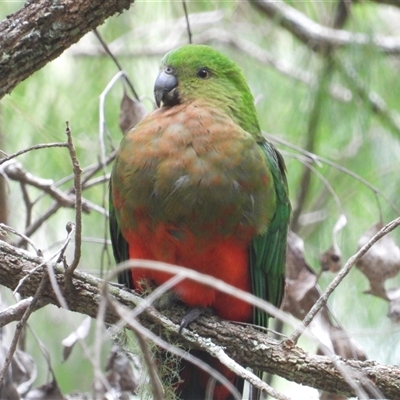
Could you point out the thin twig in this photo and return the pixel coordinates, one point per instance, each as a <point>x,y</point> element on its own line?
<point>97,181</point>
<point>25,277</point>
<point>35,147</point>
<point>117,63</point>
<point>185,10</point>
<point>306,161</point>
<point>103,152</point>
<point>102,118</point>
<point>15,171</point>
<point>321,302</point>
<point>58,256</point>
<point>28,205</point>
<point>78,210</point>
<point>14,312</point>
<point>26,239</point>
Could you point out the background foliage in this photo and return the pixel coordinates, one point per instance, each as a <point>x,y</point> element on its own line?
<point>348,131</point>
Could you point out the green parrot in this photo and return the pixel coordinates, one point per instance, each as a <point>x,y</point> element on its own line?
<point>196,184</point>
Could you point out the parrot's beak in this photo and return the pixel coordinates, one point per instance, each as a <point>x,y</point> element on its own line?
<point>166,90</point>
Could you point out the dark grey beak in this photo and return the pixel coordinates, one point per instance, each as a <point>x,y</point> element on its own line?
<point>166,88</point>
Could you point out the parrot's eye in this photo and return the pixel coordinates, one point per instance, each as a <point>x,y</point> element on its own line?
<point>169,70</point>
<point>203,73</point>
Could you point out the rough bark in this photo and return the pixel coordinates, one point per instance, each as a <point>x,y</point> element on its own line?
<point>245,345</point>
<point>41,30</point>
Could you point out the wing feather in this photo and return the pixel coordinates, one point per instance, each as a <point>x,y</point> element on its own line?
<point>268,249</point>
<point>119,245</point>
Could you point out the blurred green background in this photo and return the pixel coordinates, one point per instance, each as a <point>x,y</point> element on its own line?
<point>348,132</point>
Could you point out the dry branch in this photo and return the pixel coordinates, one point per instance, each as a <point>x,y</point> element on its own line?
<point>41,30</point>
<point>244,344</point>
<point>322,301</point>
<point>14,312</point>
<point>15,171</point>
<point>318,37</point>
<point>78,206</point>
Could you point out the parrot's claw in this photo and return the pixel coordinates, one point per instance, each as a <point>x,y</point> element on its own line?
<point>191,316</point>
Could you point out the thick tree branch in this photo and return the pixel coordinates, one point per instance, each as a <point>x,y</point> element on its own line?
<point>318,37</point>
<point>42,30</point>
<point>245,345</point>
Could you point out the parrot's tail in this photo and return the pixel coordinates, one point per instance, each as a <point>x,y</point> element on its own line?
<point>197,384</point>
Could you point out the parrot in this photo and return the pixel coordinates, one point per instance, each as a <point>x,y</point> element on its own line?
<point>196,184</point>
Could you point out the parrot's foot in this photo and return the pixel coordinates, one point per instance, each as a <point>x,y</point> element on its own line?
<point>191,316</point>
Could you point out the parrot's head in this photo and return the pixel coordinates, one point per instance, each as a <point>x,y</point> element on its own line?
<point>198,72</point>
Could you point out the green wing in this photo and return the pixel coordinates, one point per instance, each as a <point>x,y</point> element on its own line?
<point>268,250</point>
<point>119,245</point>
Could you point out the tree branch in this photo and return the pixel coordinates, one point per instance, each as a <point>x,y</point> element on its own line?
<point>78,209</point>
<point>245,345</point>
<point>48,29</point>
<point>318,37</point>
<point>15,171</point>
<point>14,312</point>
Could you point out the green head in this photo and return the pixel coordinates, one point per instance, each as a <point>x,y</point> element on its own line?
<point>197,72</point>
